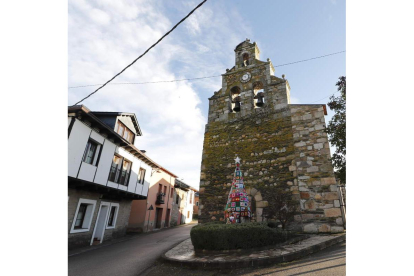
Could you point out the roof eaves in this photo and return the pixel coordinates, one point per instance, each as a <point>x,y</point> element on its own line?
<point>87,112</point>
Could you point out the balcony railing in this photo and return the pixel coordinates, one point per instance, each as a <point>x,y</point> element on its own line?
<point>160,198</point>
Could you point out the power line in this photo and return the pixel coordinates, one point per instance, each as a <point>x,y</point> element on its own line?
<point>80,86</point>
<point>152,46</point>
<point>310,59</point>
<point>148,81</point>
<point>324,97</point>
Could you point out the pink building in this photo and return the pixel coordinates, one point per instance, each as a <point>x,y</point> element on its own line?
<point>155,211</point>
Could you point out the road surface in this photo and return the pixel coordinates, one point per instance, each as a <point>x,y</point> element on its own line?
<point>129,257</point>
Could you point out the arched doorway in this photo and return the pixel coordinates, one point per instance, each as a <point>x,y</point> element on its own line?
<point>256,204</point>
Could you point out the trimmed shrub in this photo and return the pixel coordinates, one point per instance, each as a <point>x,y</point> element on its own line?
<point>218,236</point>
<point>272,224</point>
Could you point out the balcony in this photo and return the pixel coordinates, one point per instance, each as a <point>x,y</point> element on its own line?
<point>160,198</point>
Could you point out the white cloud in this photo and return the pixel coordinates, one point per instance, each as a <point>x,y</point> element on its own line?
<point>105,36</point>
<point>100,17</point>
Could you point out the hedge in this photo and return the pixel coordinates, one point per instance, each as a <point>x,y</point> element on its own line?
<point>217,236</point>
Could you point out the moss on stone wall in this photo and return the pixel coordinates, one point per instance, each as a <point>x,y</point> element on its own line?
<point>265,146</point>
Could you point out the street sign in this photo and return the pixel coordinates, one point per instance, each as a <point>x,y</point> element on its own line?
<point>151,208</point>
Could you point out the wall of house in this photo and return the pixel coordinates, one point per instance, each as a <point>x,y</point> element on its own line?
<point>196,200</point>
<point>99,174</point>
<point>176,212</point>
<point>76,240</point>
<point>126,120</point>
<point>141,219</point>
<point>183,211</point>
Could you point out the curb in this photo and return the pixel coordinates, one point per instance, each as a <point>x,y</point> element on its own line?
<point>288,257</point>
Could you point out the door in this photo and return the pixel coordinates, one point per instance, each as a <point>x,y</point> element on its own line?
<point>100,225</point>
<point>158,217</point>
<point>167,218</point>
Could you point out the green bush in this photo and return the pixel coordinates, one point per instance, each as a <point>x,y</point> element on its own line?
<point>218,236</point>
<point>272,224</point>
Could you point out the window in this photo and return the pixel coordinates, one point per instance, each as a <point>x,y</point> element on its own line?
<point>83,216</point>
<point>165,190</point>
<point>113,214</point>
<point>115,169</point>
<point>123,131</point>
<point>159,188</point>
<point>176,199</point>
<point>126,171</point>
<point>90,152</point>
<point>120,170</point>
<point>141,176</point>
<point>188,214</point>
<point>191,197</point>
<point>172,191</point>
<point>197,203</point>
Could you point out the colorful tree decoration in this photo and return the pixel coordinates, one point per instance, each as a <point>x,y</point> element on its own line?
<point>237,207</point>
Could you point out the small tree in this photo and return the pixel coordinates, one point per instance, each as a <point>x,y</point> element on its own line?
<point>336,130</point>
<point>281,205</point>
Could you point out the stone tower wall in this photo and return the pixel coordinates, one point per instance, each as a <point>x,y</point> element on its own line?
<point>278,143</point>
<point>315,180</point>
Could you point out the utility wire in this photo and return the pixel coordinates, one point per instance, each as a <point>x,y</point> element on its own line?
<point>153,45</point>
<point>147,81</point>
<point>309,59</point>
<point>70,87</point>
<point>325,97</point>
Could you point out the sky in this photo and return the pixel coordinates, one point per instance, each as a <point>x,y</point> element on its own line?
<point>105,36</point>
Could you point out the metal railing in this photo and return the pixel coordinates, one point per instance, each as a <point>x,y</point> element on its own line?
<point>160,198</point>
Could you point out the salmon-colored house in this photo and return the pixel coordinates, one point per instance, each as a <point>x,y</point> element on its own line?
<point>155,211</point>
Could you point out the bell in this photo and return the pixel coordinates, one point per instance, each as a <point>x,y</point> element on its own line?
<point>260,97</point>
<point>236,106</point>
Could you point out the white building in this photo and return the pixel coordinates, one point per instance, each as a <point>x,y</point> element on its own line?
<point>184,203</point>
<point>105,173</point>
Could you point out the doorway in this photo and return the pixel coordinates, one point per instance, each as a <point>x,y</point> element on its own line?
<point>167,218</point>
<point>99,230</point>
<point>158,218</point>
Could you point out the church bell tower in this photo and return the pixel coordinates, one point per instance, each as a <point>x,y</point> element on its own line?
<point>280,145</point>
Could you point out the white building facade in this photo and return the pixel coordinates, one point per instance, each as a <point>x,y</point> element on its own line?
<point>105,173</point>
<point>183,203</point>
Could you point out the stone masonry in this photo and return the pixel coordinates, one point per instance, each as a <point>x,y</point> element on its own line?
<point>278,142</point>
<point>76,240</point>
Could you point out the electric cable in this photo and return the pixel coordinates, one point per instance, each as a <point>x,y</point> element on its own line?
<point>152,46</point>
<point>123,83</point>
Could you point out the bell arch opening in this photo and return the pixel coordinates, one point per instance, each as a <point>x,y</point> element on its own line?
<point>235,98</point>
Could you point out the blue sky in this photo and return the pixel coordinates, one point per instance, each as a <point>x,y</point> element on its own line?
<point>105,36</point>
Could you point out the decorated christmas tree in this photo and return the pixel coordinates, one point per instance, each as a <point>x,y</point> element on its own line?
<point>237,206</point>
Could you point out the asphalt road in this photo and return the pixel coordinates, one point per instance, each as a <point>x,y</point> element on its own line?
<point>129,257</point>
<point>328,262</point>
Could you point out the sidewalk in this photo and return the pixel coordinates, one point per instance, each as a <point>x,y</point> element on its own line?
<point>127,237</point>
<point>183,254</point>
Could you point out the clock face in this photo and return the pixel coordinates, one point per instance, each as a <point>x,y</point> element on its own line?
<point>245,77</point>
